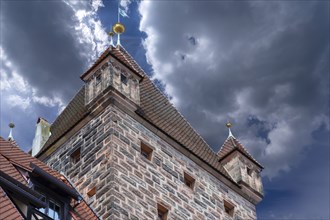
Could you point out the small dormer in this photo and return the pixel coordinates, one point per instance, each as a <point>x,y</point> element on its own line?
<point>242,167</point>
<point>110,72</point>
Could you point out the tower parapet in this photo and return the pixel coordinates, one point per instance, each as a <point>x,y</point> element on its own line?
<point>112,73</point>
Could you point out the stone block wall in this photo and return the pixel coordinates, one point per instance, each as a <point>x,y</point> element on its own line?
<point>234,168</point>
<point>129,186</point>
<point>237,168</point>
<point>112,73</point>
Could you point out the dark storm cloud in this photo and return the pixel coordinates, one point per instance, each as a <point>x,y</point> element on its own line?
<point>251,59</point>
<point>38,36</point>
<point>45,47</point>
<point>264,66</point>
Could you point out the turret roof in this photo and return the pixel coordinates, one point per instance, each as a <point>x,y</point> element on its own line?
<point>231,144</point>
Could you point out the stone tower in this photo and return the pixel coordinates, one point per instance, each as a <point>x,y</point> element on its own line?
<point>132,155</point>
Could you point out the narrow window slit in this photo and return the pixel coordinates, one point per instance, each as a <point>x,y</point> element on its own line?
<point>146,151</point>
<point>188,180</point>
<point>75,156</point>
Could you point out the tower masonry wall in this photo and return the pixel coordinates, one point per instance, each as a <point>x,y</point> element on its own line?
<point>120,183</point>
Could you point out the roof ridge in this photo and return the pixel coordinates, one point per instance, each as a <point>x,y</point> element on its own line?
<point>222,146</point>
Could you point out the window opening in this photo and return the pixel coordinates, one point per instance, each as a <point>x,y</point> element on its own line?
<point>91,192</point>
<point>53,209</point>
<point>98,79</point>
<point>162,212</point>
<point>229,208</point>
<point>188,180</point>
<point>146,151</point>
<point>249,171</point>
<point>123,79</point>
<point>75,156</point>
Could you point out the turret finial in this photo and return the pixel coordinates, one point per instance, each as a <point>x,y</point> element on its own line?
<point>10,136</point>
<point>111,34</point>
<point>118,29</point>
<point>228,125</point>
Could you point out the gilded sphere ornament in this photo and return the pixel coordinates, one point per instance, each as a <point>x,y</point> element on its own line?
<point>228,124</point>
<point>118,28</point>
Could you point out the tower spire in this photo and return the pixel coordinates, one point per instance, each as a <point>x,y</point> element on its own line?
<point>10,136</point>
<point>228,125</point>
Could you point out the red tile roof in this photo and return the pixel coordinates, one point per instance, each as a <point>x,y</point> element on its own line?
<point>11,157</point>
<point>8,210</point>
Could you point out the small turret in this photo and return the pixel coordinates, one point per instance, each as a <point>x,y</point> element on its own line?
<point>41,136</point>
<point>241,166</point>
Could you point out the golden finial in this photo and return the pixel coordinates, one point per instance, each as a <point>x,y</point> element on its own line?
<point>111,33</point>
<point>118,28</point>
<point>228,124</point>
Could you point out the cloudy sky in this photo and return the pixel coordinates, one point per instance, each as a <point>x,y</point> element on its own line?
<point>264,65</point>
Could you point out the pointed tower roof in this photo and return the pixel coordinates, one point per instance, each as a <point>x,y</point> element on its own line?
<point>231,144</point>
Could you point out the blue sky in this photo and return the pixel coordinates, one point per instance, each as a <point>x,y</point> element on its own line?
<point>262,65</point>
